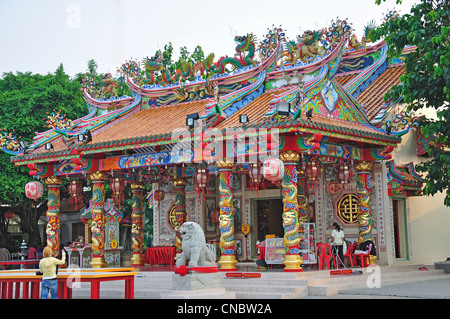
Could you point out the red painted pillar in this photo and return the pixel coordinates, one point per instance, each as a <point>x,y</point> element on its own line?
<point>98,220</point>
<point>227,259</point>
<point>53,215</point>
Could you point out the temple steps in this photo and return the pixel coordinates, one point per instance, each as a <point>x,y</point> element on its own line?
<point>269,286</point>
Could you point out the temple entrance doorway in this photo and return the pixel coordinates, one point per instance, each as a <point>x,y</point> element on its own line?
<point>267,216</point>
<point>400,228</point>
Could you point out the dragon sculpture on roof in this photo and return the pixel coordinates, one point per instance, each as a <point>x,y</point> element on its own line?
<point>305,49</point>
<point>354,44</point>
<point>100,87</point>
<point>151,71</point>
<point>313,44</point>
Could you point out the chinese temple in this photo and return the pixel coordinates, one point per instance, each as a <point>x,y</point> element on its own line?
<point>282,139</point>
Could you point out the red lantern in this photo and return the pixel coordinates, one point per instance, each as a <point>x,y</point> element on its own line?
<point>75,189</point>
<point>9,214</point>
<point>201,177</point>
<point>159,195</point>
<point>256,176</point>
<point>118,191</point>
<point>312,170</point>
<point>34,190</point>
<point>344,173</point>
<point>273,169</point>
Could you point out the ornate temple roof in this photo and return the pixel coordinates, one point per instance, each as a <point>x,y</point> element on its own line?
<point>338,80</point>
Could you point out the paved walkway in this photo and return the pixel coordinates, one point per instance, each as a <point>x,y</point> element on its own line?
<point>430,289</point>
<point>436,286</point>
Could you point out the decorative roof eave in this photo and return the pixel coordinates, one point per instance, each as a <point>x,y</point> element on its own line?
<point>308,67</point>
<point>226,101</point>
<point>362,52</point>
<point>363,76</point>
<point>83,124</point>
<point>240,75</point>
<point>383,144</point>
<point>403,179</point>
<point>45,157</point>
<point>291,94</point>
<point>299,125</point>
<point>108,104</point>
<point>50,135</point>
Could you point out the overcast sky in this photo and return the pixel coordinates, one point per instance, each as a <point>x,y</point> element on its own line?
<point>38,35</point>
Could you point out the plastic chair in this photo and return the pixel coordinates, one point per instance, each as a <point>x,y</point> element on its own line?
<point>349,254</point>
<point>324,254</point>
<point>364,256</point>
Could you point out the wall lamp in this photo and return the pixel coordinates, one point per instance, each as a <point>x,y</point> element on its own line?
<point>191,118</point>
<point>85,137</point>
<point>243,118</point>
<point>283,108</point>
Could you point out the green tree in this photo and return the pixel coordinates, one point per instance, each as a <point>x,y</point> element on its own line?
<point>24,100</point>
<point>426,82</point>
<point>184,56</point>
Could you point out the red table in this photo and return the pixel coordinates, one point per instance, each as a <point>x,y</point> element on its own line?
<point>95,278</point>
<point>25,262</point>
<point>160,255</point>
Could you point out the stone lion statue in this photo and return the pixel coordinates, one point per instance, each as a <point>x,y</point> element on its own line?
<point>195,249</point>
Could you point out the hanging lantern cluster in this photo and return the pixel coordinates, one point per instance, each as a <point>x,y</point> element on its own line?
<point>118,191</point>
<point>273,169</point>
<point>256,175</point>
<point>75,189</point>
<point>34,190</point>
<point>345,174</point>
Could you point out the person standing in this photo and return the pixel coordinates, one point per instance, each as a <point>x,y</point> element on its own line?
<point>47,266</point>
<point>337,236</point>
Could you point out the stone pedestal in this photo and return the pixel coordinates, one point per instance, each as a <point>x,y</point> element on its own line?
<point>197,285</point>
<point>196,280</point>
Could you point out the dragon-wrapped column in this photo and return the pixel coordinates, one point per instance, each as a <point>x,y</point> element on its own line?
<point>98,220</point>
<point>137,223</point>
<point>227,259</point>
<point>303,197</point>
<point>53,215</point>
<point>363,173</point>
<point>292,259</point>
<point>180,210</point>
